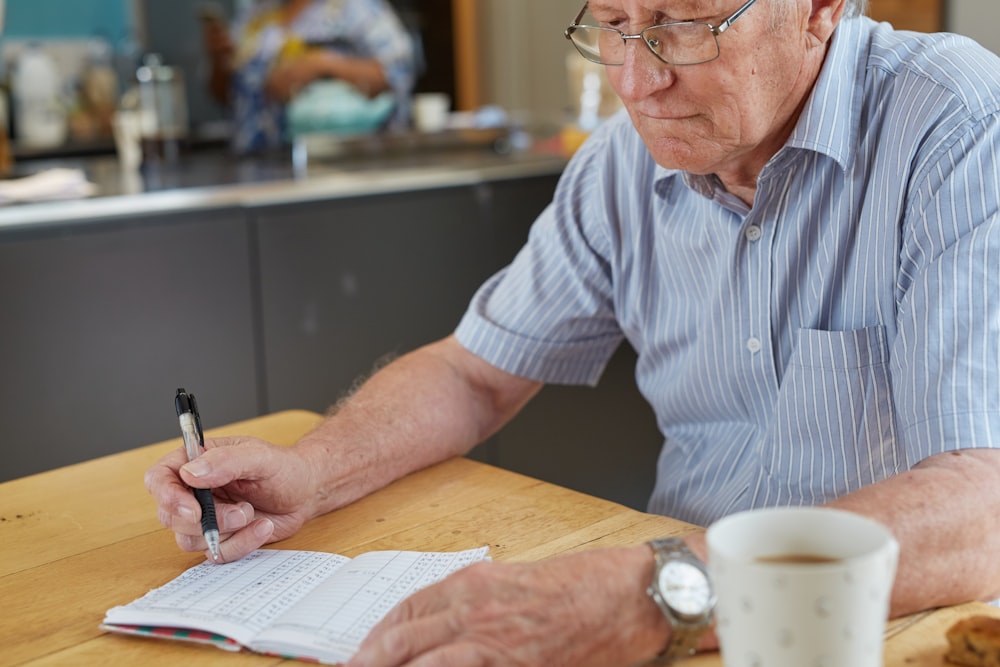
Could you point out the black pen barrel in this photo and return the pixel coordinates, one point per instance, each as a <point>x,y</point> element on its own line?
<point>208,521</point>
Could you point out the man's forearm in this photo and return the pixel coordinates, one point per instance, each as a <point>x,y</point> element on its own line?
<point>944,513</point>
<point>427,406</point>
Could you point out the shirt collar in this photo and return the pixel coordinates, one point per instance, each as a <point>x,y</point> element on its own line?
<point>828,123</point>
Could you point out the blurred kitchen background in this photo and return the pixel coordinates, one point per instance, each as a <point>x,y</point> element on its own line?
<point>80,56</point>
<point>97,46</point>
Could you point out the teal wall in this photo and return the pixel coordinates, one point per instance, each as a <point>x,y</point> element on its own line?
<point>110,19</point>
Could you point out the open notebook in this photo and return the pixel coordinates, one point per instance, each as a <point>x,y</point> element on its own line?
<point>295,604</point>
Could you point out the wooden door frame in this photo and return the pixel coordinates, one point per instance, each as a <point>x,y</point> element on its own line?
<point>465,21</point>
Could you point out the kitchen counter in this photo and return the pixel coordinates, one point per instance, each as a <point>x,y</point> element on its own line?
<point>208,179</point>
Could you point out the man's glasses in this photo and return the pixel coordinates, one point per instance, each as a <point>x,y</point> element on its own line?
<point>681,43</point>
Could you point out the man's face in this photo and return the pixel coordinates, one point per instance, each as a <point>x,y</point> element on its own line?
<point>725,116</point>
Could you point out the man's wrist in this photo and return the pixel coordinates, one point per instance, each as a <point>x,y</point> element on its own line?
<point>656,630</point>
<point>314,458</point>
<point>681,588</point>
<point>342,466</point>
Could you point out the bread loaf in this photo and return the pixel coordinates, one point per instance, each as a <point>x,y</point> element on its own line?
<point>974,642</point>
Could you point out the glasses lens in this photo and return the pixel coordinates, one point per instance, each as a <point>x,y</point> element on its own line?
<point>682,43</point>
<point>599,45</point>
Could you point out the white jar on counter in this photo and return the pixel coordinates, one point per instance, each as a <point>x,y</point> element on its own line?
<point>39,116</point>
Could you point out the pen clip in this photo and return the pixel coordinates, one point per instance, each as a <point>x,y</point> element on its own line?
<point>185,403</point>
<point>197,421</point>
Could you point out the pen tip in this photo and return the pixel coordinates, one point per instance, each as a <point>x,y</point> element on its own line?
<point>212,538</point>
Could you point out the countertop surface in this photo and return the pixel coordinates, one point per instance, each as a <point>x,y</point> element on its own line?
<point>215,178</point>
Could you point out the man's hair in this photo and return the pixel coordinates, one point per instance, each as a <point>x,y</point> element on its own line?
<point>780,9</point>
<point>856,7</point>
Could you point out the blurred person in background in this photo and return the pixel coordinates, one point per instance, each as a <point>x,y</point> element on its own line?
<point>276,48</point>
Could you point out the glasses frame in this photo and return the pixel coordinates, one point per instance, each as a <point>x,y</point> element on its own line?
<point>715,30</point>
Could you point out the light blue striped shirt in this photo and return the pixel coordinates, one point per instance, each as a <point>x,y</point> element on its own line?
<point>843,329</point>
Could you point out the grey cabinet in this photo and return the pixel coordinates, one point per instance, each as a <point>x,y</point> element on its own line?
<point>102,321</point>
<point>347,282</point>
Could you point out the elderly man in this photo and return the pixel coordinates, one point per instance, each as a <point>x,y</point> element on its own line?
<point>796,227</point>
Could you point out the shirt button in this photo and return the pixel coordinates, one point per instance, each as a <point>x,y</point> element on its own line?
<point>753,233</point>
<point>754,345</point>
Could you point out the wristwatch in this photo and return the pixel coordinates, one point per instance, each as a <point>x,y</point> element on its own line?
<point>683,591</point>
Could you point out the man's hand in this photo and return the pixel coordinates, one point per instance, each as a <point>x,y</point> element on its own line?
<point>588,608</point>
<point>263,493</point>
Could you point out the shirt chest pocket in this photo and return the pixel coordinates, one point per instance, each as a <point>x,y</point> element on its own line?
<point>834,425</point>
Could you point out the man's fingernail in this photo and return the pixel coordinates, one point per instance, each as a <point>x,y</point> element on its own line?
<point>236,518</point>
<point>198,468</point>
<point>185,512</point>
<point>263,528</point>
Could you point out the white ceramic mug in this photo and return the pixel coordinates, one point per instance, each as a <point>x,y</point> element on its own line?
<point>801,587</point>
<point>431,111</point>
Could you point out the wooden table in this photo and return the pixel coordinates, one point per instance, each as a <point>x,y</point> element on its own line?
<point>81,539</point>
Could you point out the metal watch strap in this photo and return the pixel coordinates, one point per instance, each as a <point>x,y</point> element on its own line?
<point>684,637</point>
<point>682,644</point>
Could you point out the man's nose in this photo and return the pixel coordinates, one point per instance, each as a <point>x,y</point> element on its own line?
<point>641,73</point>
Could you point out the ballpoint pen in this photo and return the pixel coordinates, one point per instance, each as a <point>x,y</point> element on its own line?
<point>194,444</point>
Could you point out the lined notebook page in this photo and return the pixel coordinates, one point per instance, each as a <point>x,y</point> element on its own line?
<point>291,603</point>
<point>336,616</point>
<point>234,599</point>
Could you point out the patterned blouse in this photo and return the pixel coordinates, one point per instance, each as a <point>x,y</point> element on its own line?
<point>357,28</point>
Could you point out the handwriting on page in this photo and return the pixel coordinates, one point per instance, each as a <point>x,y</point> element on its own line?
<point>251,592</point>
<point>367,588</point>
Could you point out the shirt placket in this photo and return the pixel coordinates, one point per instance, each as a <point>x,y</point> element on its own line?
<point>755,339</point>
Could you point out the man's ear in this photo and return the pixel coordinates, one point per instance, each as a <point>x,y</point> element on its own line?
<point>826,14</point>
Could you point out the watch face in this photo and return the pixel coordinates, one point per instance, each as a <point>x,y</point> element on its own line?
<point>685,588</point>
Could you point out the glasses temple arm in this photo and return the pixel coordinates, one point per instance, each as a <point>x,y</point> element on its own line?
<point>722,27</point>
